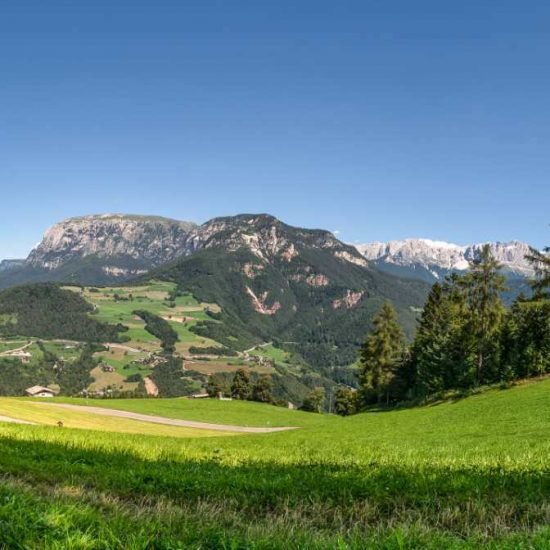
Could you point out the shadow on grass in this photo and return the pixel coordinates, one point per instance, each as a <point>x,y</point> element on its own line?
<point>342,496</point>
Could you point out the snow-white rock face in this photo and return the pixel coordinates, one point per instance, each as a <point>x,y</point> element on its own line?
<point>426,258</point>
<point>145,239</point>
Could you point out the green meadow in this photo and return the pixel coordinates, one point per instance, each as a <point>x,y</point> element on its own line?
<point>468,473</point>
<point>117,304</point>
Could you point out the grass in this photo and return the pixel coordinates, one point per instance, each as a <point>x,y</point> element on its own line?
<point>271,352</point>
<point>235,412</point>
<point>152,297</point>
<point>41,413</point>
<point>465,474</point>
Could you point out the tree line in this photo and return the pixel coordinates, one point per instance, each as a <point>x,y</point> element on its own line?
<point>466,338</point>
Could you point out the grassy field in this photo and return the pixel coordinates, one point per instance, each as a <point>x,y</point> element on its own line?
<point>463,474</point>
<point>116,304</point>
<point>41,413</point>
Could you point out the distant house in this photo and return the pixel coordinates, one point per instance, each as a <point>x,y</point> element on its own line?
<point>107,368</point>
<point>23,356</point>
<point>39,391</point>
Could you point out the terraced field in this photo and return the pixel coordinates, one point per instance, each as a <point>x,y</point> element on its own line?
<point>473,473</point>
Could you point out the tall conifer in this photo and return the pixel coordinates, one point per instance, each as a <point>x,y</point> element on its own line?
<point>380,356</point>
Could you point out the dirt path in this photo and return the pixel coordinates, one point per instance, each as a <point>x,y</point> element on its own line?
<point>13,420</point>
<point>150,387</point>
<point>247,351</point>
<point>107,345</point>
<point>9,352</point>
<point>122,347</point>
<point>167,421</point>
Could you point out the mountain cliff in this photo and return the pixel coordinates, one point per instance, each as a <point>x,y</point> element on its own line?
<point>431,260</point>
<point>300,287</point>
<point>145,239</point>
<point>101,249</point>
<point>303,288</point>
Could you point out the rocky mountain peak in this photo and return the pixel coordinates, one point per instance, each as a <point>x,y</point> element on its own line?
<point>151,239</point>
<point>128,245</point>
<point>268,238</point>
<point>437,258</point>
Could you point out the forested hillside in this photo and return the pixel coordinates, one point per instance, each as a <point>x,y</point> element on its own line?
<point>315,304</point>
<point>45,310</point>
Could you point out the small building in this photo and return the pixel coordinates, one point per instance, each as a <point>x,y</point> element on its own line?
<point>23,356</point>
<point>39,391</point>
<point>222,398</point>
<point>202,395</point>
<point>107,368</point>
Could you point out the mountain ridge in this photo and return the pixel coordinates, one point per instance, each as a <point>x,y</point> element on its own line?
<point>431,260</point>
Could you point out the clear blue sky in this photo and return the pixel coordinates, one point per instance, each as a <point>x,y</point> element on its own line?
<point>378,119</point>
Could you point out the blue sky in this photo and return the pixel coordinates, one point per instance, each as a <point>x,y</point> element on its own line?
<point>378,119</point>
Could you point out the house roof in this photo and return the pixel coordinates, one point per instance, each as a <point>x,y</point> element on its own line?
<point>38,389</point>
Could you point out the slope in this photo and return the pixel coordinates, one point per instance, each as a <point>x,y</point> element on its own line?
<point>467,474</point>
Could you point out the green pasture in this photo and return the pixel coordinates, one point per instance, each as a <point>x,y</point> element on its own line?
<point>470,473</point>
<point>152,297</point>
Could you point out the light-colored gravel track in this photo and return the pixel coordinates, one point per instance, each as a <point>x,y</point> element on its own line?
<point>13,420</point>
<point>165,420</point>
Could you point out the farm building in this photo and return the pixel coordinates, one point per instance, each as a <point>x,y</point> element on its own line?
<point>107,368</point>
<point>39,391</point>
<point>23,356</point>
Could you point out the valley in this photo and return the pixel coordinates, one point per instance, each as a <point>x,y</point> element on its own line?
<point>187,399</point>
<point>121,367</point>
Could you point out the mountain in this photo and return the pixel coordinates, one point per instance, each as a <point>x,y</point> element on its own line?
<point>299,287</point>
<point>101,249</point>
<point>8,265</point>
<point>431,260</point>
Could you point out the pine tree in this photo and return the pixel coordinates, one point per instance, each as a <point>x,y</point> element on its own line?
<point>541,264</point>
<point>483,286</point>
<point>241,387</point>
<point>437,356</point>
<point>380,356</point>
<point>526,339</point>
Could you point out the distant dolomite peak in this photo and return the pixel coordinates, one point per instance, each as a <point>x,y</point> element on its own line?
<point>439,257</point>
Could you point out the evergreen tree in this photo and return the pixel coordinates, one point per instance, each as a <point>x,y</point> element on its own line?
<point>241,388</point>
<point>483,286</point>
<point>541,264</point>
<point>380,356</point>
<point>262,389</point>
<point>526,339</point>
<point>438,361</point>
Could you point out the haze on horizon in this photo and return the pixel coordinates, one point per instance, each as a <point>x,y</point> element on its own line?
<point>376,120</point>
